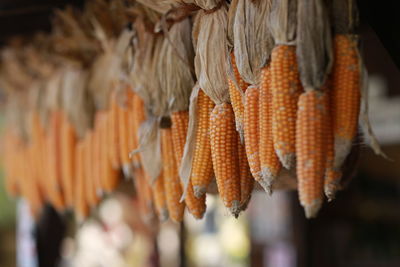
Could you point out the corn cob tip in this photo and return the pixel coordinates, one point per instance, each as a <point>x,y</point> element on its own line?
<point>163,215</point>
<point>342,149</point>
<point>312,209</point>
<point>199,191</point>
<point>332,187</point>
<point>245,203</point>
<point>287,159</point>
<point>197,214</point>
<point>267,179</point>
<point>127,171</point>
<point>235,208</point>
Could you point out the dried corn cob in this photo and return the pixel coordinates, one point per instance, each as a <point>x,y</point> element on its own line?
<point>110,175</point>
<point>251,131</point>
<point>310,149</point>
<point>285,91</point>
<point>345,95</point>
<point>225,156</point>
<point>236,95</point>
<point>332,175</point>
<point>139,117</point>
<point>180,120</point>
<point>81,206</point>
<point>113,132</point>
<point>144,193</point>
<point>37,144</point>
<point>32,180</point>
<point>123,123</point>
<point>270,164</point>
<point>54,160</point>
<point>173,189</point>
<point>68,143</point>
<point>131,131</point>
<point>202,169</point>
<point>159,198</point>
<point>246,179</point>
<point>96,154</point>
<point>91,194</point>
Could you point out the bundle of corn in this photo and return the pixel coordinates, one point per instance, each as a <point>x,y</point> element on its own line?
<point>248,28</point>
<point>277,95</point>
<point>177,64</point>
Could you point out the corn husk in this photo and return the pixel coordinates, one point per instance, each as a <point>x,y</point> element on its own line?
<point>251,38</point>
<point>76,101</point>
<point>150,148</point>
<point>211,51</point>
<point>283,21</point>
<point>314,43</point>
<point>107,68</point>
<point>344,16</point>
<point>145,81</point>
<point>188,153</point>
<point>176,65</point>
<point>159,6</point>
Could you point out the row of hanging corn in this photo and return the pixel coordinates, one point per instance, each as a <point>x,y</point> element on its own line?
<point>189,91</point>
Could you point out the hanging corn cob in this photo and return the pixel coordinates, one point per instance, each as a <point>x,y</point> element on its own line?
<point>113,132</point>
<point>110,175</point>
<point>310,149</point>
<point>251,131</point>
<point>138,117</point>
<point>54,160</point>
<point>172,185</point>
<point>246,179</point>
<point>313,54</point>
<point>160,199</point>
<point>346,89</point>
<point>269,161</point>
<point>225,156</point>
<point>285,84</point>
<point>81,205</point>
<point>202,168</point>
<point>236,95</point>
<point>68,144</point>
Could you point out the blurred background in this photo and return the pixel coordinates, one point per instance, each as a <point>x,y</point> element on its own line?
<point>360,228</point>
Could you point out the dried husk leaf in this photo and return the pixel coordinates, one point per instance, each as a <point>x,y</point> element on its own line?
<point>160,6</point>
<point>314,43</point>
<point>211,53</point>
<point>107,69</point>
<point>190,144</point>
<point>77,103</point>
<point>203,4</point>
<point>143,45</point>
<point>364,114</point>
<point>149,148</point>
<point>159,99</point>
<point>175,65</point>
<point>344,15</point>
<point>283,21</point>
<point>16,114</point>
<point>252,39</point>
<point>53,91</point>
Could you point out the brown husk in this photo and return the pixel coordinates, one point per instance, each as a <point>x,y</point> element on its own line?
<point>344,15</point>
<point>314,43</point>
<point>175,65</point>
<point>77,104</point>
<point>252,39</point>
<point>211,51</point>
